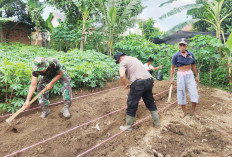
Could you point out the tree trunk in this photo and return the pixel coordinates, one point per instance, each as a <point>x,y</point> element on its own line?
<point>36,35</point>
<point>229,66</point>
<point>82,38</point>
<point>1,34</point>
<point>110,43</point>
<point>85,16</point>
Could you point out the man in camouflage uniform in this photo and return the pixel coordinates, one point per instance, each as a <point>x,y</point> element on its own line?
<point>51,71</point>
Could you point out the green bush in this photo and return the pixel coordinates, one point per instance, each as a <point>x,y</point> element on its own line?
<point>139,47</point>
<point>87,69</point>
<point>205,49</point>
<point>207,55</point>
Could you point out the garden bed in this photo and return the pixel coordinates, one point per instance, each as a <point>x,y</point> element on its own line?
<point>209,136</point>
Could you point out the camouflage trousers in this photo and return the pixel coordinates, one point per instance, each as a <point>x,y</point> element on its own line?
<point>66,90</point>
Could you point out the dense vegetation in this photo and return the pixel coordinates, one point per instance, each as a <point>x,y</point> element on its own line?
<point>212,69</point>
<point>95,27</point>
<point>86,68</point>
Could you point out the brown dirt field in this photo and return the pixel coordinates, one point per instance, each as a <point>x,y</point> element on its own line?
<point>210,136</point>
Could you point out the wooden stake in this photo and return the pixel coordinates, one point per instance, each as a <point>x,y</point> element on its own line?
<point>170,94</point>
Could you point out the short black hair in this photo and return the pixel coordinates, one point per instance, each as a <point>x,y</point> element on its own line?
<point>150,59</point>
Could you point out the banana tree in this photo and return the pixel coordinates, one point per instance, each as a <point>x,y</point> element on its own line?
<point>213,7</point>
<point>116,16</point>
<point>176,11</point>
<point>228,53</point>
<point>35,8</point>
<point>85,7</point>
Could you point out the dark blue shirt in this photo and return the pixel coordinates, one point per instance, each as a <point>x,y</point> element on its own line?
<point>179,60</point>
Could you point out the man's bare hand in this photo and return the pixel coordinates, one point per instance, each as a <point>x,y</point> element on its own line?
<point>49,86</point>
<point>27,104</point>
<point>126,86</point>
<point>197,80</point>
<point>171,81</point>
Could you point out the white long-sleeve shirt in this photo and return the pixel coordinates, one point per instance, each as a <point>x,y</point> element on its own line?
<point>148,67</point>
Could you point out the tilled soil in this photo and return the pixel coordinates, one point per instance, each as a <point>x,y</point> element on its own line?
<point>211,135</point>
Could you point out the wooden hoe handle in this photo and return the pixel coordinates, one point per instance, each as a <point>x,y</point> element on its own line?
<point>170,93</point>
<point>23,107</point>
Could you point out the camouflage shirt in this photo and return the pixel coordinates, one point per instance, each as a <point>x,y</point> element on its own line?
<point>53,69</point>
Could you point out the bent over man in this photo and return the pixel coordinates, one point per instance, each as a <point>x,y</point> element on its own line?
<point>141,86</point>
<point>185,60</point>
<point>51,71</point>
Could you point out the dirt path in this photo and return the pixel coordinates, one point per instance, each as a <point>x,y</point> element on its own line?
<point>209,136</point>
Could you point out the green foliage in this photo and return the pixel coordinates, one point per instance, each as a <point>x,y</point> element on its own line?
<point>214,15</point>
<point>48,23</point>
<point>137,46</point>
<point>71,11</point>
<point>96,40</point>
<point>148,29</point>
<point>87,69</point>
<point>118,15</point>
<point>203,26</point>
<point>66,36</point>
<point>16,9</point>
<point>212,69</point>
<point>36,9</point>
<point>4,20</point>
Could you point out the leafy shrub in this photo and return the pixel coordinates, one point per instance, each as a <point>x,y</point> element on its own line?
<point>88,69</point>
<point>205,49</point>
<point>212,69</point>
<point>137,46</point>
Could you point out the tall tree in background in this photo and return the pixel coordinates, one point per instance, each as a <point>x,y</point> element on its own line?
<point>72,12</point>
<point>85,7</point>
<point>203,26</point>
<point>148,29</point>
<point>14,9</point>
<point>35,8</point>
<point>216,18</point>
<point>214,15</point>
<point>118,15</point>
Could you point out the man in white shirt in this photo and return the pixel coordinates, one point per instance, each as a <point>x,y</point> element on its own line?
<point>149,67</point>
